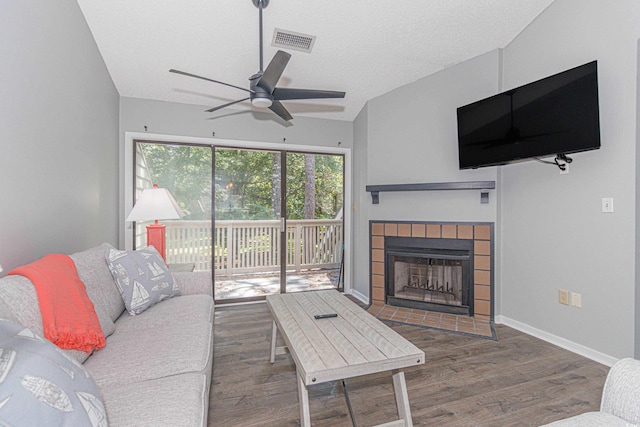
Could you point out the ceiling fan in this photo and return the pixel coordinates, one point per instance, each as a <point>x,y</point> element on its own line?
<point>263,92</point>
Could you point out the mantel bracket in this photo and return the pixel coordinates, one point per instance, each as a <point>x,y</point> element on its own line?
<point>375,197</point>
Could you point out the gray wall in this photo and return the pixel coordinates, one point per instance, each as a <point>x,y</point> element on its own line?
<point>58,134</point>
<point>361,202</point>
<point>411,137</point>
<point>637,233</point>
<point>554,234</point>
<point>190,120</point>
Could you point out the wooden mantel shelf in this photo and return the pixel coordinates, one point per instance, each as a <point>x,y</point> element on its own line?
<point>429,186</point>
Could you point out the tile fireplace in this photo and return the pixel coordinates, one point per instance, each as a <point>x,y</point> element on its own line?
<point>433,266</point>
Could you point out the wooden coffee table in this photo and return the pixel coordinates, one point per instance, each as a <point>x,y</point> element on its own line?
<point>352,344</point>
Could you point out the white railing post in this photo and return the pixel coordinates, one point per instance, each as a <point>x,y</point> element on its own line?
<point>297,246</point>
<point>230,248</point>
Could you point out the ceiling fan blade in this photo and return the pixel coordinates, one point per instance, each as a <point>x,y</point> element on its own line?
<point>281,94</point>
<point>209,80</point>
<point>279,109</point>
<point>219,107</point>
<point>274,70</point>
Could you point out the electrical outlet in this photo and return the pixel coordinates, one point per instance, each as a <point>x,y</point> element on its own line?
<point>576,300</point>
<point>565,171</point>
<point>563,297</point>
<point>607,204</point>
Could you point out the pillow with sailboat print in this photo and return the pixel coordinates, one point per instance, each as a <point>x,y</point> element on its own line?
<point>40,385</point>
<point>142,277</point>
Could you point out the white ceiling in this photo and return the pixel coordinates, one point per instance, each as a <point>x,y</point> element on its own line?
<point>365,48</point>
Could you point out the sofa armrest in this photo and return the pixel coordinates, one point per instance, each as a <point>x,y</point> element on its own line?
<point>198,282</point>
<point>621,393</point>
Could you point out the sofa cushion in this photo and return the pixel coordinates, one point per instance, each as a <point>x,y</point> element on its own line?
<point>40,383</point>
<point>143,354</point>
<point>142,277</point>
<point>179,400</point>
<point>101,288</point>
<point>20,298</point>
<point>68,315</point>
<point>19,304</point>
<point>197,282</point>
<point>176,311</point>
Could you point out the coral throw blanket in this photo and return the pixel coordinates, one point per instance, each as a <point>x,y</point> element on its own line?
<point>69,318</point>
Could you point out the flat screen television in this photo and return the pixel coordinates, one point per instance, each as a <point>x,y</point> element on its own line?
<point>555,115</point>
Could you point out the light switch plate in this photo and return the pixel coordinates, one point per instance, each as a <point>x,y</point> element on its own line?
<point>607,204</point>
<point>576,300</point>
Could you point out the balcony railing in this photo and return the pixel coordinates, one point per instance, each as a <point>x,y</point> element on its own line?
<point>254,246</point>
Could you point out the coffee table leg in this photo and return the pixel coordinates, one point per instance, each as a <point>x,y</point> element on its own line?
<point>402,398</point>
<point>303,400</point>
<point>274,332</point>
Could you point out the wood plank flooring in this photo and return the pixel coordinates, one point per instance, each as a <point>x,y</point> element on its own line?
<point>518,380</point>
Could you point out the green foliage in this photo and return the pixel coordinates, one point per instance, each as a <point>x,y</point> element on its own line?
<point>328,185</point>
<point>244,184</point>
<point>186,172</point>
<point>247,182</point>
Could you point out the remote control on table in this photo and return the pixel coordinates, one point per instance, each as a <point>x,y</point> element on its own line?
<point>325,316</point>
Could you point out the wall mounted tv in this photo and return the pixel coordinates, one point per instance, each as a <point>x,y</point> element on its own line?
<point>555,115</point>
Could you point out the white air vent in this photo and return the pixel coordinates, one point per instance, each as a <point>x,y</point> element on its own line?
<point>292,40</point>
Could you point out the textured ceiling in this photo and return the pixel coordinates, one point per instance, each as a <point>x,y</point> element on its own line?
<point>363,48</point>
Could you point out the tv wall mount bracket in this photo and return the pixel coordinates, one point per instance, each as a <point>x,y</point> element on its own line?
<point>561,161</point>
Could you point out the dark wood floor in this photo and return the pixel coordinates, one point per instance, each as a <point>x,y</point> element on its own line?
<point>466,381</point>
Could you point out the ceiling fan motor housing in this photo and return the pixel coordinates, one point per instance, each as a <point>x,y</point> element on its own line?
<point>260,97</point>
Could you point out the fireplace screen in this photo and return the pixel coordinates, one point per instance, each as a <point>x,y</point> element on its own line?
<point>436,280</point>
<point>428,279</point>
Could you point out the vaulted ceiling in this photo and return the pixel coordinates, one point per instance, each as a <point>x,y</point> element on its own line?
<point>362,47</point>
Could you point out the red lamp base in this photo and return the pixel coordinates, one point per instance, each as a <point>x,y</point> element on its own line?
<point>155,238</point>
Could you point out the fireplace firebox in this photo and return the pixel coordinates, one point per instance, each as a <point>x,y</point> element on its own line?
<point>429,274</point>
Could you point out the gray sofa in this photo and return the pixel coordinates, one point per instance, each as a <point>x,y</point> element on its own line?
<point>155,369</point>
<point>620,405</point>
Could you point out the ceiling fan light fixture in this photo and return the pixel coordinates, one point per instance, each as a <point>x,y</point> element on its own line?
<point>261,102</point>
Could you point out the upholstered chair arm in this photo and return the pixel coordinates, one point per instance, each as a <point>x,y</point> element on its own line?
<point>621,393</point>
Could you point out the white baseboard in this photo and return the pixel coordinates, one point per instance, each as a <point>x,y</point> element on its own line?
<point>358,295</point>
<point>587,352</point>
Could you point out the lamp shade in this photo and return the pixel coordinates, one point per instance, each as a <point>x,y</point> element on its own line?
<point>153,204</point>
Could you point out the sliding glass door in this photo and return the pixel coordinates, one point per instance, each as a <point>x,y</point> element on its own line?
<point>314,218</point>
<point>262,221</point>
<point>248,223</point>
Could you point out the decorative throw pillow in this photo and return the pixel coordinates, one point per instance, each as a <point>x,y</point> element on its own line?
<point>39,384</point>
<point>142,278</point>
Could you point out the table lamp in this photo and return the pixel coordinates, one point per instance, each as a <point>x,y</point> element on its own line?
<point>154,204</point>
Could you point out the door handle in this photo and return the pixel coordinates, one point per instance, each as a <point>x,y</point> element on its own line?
<point>282,225</point>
